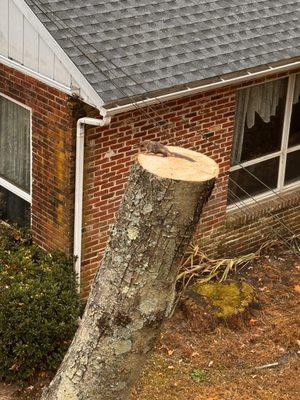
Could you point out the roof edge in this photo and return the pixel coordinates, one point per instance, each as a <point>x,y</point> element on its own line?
<point>119,107</point>
<point>60,53</point>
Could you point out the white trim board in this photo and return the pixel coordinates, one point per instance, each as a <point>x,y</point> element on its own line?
<point>286,130</point>
<point>15,189</point>
<point>90,96</point>
<point>276,194</point>
<point>27,71</point>
<point>16,102</point>
<point>263,158</point>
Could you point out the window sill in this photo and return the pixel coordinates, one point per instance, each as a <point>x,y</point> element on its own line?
<point>270,204</point>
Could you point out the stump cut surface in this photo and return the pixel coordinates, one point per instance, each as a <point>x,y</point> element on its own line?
<point>199,169</point>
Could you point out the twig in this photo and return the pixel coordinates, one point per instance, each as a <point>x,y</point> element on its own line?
<point>268,366</point>
<point>190,271</point>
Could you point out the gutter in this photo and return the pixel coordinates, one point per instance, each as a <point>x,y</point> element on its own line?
<point>105,112</point>
<point>80,133</point>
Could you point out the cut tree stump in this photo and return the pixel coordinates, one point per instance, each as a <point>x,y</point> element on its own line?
<point>134,288</point>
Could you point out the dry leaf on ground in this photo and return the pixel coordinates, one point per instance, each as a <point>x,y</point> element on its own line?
<point>297,288</point>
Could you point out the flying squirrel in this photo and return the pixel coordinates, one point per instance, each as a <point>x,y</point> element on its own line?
<point>149,146</point>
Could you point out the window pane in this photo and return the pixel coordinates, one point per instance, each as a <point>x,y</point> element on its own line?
<point>259,120</point>
<point>294,137</point>
<point>15,143</point>
<point>14,209</point>
<point>292,169</point>
<point>242,185</point>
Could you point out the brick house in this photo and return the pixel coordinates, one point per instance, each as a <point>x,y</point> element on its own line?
<point>82,85</point>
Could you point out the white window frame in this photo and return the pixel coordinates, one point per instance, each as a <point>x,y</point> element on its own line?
<point>27,196</point>
<point>282,153</point>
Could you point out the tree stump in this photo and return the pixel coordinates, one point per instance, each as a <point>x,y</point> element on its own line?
<point>134,287</point>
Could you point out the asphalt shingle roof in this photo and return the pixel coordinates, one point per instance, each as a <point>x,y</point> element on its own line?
<point>131,47</point>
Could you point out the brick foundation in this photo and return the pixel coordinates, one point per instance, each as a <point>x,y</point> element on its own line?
<point>244,230</point>
<point>53,146</point>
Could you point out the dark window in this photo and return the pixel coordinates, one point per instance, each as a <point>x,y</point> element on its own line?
<point>14,162</point>
<point>259,120</point>
<point>292,169</point>
<point>252,180</point>
<point>294,137</point>
<point>262,139</point>
<point>14,209</point>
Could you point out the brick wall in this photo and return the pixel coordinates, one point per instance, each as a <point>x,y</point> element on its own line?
<point>244,230</point>
<point>110,152</point>
<point>204,123</point>
<point>53,148</point>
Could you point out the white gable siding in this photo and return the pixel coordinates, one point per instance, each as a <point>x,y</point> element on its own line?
<point>15,33</point>
<point>46,59</point>
<point>20,42</point>
<point>60,73</point>
<point>24,42</point>
<point>4,27</point>
<point>31,46</point>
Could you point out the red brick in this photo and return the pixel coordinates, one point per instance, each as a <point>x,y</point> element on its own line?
<point>182,122</point>
<point>52,193</point>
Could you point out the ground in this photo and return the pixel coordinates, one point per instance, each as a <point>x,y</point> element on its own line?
<point>202,357</point>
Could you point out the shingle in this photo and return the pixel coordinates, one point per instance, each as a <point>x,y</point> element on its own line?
<point>131,47</point>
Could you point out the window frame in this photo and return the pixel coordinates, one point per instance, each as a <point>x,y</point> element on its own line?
<point>27,196</point>
<point>282,153</point>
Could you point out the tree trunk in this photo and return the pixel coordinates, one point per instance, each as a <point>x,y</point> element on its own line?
<point>134,288</point>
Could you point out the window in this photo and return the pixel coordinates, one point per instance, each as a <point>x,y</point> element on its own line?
<point>15,154</point>
<point>266,144</point>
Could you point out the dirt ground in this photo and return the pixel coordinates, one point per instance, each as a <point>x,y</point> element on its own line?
<point>200,357</point>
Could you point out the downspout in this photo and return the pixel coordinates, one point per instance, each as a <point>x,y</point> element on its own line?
<point>80,131</point>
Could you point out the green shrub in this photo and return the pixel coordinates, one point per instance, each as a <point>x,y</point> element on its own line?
<point>39,307</point>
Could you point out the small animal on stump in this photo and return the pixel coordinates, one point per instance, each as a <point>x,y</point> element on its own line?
<point>149,146</point>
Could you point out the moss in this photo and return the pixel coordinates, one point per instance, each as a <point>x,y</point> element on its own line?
<point>230,299</point>
<point>199,375</point>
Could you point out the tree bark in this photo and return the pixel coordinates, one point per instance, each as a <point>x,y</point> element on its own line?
<point>134,288</point>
